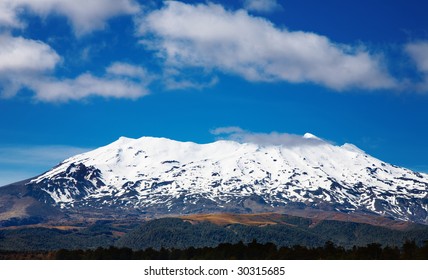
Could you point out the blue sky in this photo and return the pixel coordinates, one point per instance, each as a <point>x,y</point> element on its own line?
<point>76,75</point>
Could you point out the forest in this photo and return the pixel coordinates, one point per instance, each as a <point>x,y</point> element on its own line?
<point>173,238</point>
<point>239,251</point>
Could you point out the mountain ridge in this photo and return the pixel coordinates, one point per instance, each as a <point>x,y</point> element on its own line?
<point>157,176</point>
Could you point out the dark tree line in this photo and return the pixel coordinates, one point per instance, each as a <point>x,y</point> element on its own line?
<point>239,251</point>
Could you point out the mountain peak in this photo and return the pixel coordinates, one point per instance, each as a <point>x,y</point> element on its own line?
<point>308,135</point>
<point>124,139</point>
<point>160,176</point>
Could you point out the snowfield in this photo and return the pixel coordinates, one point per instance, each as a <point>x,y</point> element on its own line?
<point>158,175</point>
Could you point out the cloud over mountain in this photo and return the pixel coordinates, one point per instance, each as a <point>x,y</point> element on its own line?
<point>273,138</point>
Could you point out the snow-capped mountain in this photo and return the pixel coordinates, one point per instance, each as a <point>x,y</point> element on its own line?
<point>157,176</point>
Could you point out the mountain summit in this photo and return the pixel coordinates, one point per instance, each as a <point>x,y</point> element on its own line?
<point>157,176</point>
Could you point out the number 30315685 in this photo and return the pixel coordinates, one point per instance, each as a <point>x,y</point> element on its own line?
<point>261,270</point>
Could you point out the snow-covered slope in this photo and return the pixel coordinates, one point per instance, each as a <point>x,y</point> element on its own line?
<point>160,176</point>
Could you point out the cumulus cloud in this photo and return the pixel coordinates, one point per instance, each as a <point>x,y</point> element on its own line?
<point>8,16</point>
<point>23,60</point>
<point>128,70</point>
<point>121,81</point>
<point>25,56</point>
<point>209,37</point>
<point>263,6</point>
<point>27,63</point>
<point>266,139</point>
<point>85,16</point>
<point>418,51</point>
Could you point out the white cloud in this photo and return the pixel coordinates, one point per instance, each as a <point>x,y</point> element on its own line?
<point>418,51</point>
<point>25,56</point>
<point>22,60</point>
<point>209,37</point>
<point>26,64</point>
<point>8,15</point>
<point>128,70</point>
<point>274,138</point>
<point>227,130</point>
<point>121,81</point>
<point>264,6</point>
<point>84,15</point>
